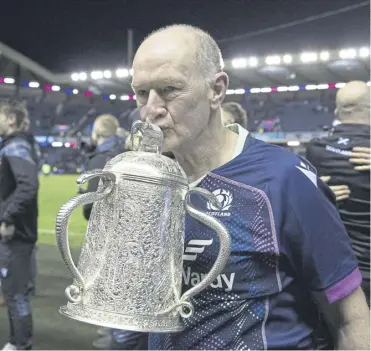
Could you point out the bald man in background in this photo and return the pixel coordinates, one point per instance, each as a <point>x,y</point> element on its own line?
<point>343,161</point>
<point>233,112</point>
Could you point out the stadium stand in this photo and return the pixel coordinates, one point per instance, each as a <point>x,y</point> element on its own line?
<point>289,98</point>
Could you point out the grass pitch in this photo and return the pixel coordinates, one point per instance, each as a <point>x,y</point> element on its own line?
<point>56,190</point>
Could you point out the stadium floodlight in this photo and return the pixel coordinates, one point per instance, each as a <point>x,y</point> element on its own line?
<point>229,92</point>
<point>124,97</point>
<point>364,52</point>
<point>322,86</point>
<point>294,88</point>
<point>239,91</point>
<point>273,60</point>
<point>56,88</point>
<point>83,76</point>
<point>122,73</point>
<point>33,84</point>
<point>239,63</point>
<point>253,61</point>
<point>347,54</point>
<point>307,57</point>
<point>96,75</point>
<point>310,87</point>
<point>75,91</point>
<point>293,143</point>
<point>255,90</point>
<point>266,90</point>
<point>112,97</point>
<point>339,85</point>
<point>287,58</point>
<point>75,76</point>
<point>324,56</point>
<point>282,89</point>
<point>107,74</point>
<point>9,80</point>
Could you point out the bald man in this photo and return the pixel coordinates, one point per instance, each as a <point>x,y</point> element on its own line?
<point>289,246</point>
<point>343,161</point>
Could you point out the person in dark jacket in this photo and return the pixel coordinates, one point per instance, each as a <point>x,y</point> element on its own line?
<point>110,140</point>
<point>18,220</point>
<point>343,161</point>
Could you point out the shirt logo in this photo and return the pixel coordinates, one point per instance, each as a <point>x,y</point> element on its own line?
<point>225,197</point>
<point>195,247</point>
<point>343,141</point>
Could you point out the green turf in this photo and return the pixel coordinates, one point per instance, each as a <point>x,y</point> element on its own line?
<point>55,190</point>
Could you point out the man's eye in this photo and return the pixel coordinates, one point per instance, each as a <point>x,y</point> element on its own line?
<point>169,89</point>
<point>141,93</point>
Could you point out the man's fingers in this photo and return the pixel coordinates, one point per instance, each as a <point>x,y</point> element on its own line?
<point>343,197</point>
<point>360,161</point>
<point>360,155</point>
<point>367,150</point>
<point>325,179</point>
<point>362,168</point>
<point>339,188</point>
<point>341,193</point>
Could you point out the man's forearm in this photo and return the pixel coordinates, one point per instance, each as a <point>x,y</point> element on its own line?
<point>355,335</point>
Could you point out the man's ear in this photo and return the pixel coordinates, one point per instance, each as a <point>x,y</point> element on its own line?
<point>220,86</point>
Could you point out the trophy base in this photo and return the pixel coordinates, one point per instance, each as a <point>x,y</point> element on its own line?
<point>146,324</point>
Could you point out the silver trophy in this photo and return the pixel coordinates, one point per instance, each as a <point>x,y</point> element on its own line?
<point>129,274</point>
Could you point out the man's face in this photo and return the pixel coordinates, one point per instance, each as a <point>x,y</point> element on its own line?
<point>170,90</point>
<point>227,118</point>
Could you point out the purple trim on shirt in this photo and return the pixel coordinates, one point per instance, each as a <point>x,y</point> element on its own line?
<point>344,287</point>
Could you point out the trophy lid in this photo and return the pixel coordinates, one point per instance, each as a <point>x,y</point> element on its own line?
<point>145,162</point>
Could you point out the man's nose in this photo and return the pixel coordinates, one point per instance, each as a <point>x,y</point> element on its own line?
<point>155,107</point>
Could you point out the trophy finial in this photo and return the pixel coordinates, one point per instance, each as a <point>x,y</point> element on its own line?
<point>146,137</point>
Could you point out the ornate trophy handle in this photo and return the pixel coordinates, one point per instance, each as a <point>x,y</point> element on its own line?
<point>73,292</point>
<point>224,250</point>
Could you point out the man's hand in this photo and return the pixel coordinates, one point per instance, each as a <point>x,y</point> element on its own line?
<point>6,232</point>
<point>361,157</point>
<point>341,192</point>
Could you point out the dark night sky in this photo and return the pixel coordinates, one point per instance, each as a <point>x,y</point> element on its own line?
<point>67,35</point>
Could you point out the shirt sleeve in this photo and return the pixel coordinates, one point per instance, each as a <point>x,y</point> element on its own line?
<point>24,170</point>
<point>315,238</point>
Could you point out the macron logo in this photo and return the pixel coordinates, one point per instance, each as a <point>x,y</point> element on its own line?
<point>195,247</point>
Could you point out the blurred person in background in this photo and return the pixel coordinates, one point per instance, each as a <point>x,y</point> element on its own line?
<point>343,161</point>
<point>233,112</point>
<point>18,220</point>
<point>279,214</point>
<point>109,141</point>
<point>107,144</point>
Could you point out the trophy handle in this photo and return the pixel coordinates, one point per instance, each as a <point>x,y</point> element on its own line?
<point>73,292</point>
<point>224,249</point>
